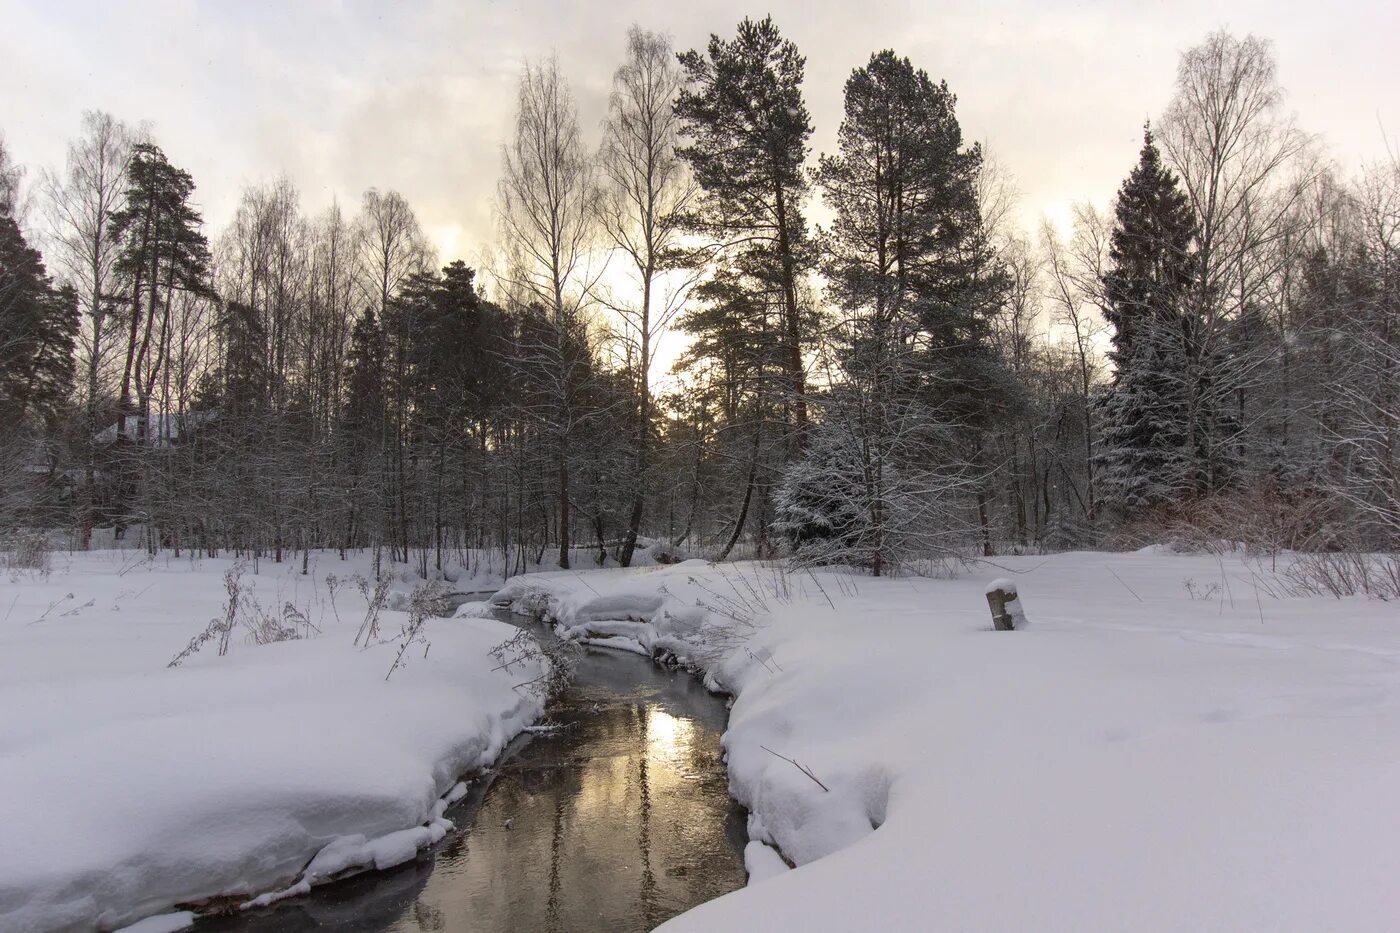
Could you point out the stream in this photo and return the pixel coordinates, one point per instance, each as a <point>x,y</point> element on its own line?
<point>618,821</point>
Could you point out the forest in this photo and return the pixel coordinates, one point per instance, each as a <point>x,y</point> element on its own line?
<point>877,365</point>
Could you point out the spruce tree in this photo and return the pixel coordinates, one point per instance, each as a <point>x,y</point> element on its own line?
<point>244,380</point>
<point>1143,455</point>
<point>363,417</point>
<point>38,326</point>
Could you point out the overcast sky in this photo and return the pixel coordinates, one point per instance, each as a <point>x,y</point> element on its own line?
<point>418,96</point>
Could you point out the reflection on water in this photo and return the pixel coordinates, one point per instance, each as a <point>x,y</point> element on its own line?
<point>619,822</point>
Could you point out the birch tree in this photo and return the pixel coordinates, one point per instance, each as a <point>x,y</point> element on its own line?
<point>546,205</point>
<point>645,194</point>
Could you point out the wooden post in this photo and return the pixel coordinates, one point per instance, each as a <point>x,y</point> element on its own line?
<point>1005,604</point>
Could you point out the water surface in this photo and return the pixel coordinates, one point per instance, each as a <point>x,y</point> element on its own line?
<point>617,822</point>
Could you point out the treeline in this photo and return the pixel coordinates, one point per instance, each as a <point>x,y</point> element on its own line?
<point>1217,356</point>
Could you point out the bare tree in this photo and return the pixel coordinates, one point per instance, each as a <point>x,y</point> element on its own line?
<point>1075,290</point>
<point>391,246</point>
<point>391,249</point>
<point>1244,167</point>
<point>81,203</point>
<point>547,200</point>
<point>1366,426</point>
<point>647,190</point>
<point>11,175</point>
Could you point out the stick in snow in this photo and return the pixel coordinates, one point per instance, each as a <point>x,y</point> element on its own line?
<point>800,767</point>
<point>1125,586</point>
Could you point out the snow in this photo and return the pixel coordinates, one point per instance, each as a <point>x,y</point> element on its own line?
<point>1139,759</point>
<point>128,788</point>
<point>1142,758</point>
<point>1004,584</point>
<point>762,862</point>
<point>162,923</point>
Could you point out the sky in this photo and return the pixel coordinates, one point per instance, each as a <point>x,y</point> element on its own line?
<point>342,95</point>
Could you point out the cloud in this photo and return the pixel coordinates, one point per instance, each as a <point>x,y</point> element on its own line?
<point>341,96</point>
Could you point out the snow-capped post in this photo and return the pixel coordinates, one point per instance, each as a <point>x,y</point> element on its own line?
<point>1005,603</point>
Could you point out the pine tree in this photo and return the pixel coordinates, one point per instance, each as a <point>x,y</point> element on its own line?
<point>1143,455</point>
<point>748,126</point>
<point>909,261</point>
<point>38,327</point>
<point>903,191</point>
<point>163,251</point>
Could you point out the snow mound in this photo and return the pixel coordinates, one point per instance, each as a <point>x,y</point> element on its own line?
<point>130,787</point>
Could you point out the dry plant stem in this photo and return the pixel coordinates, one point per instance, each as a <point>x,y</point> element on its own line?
<point>374,602</point>
<point>232,584</point>
<point>1125,585</point>
<point>426,601</point>
<point>800,767</point>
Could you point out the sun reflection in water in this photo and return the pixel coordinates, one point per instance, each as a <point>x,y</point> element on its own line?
<point>669,737</point>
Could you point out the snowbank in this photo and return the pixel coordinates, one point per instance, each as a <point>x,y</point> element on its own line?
<point>1142,758</point>
<point>127,788</point>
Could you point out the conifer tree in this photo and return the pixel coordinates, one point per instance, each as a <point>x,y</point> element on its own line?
<point>163,251</point>
<point>1143,442</point>
<point>38,326</point>
<point>747,126</point>
<point>908,261</point>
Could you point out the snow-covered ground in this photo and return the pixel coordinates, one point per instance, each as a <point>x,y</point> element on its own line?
<point>127,787</point>
<point>1166,746</point>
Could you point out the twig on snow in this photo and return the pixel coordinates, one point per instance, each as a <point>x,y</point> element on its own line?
<point>1125,586</point>
<point>800,767</point>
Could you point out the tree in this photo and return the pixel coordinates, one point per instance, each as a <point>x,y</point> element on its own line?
<point>391,246</point>
<point>647,191</point>
<point>909,261</point>
<point>434,365</point>
<point>1076,272</point>
<point>1147,459</point>
<point>82,204</point>
<point>392,249</point>
<point>909,264</point>
<point>747,126</point>
<point>547,201</point>
<point>1244,168</point>
<point>38,323</point>
<point>896,185</point>
<point>10,177</point>
<point>163,251</point>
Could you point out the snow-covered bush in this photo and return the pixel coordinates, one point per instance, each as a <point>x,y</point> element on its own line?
<point>663,552</point>
<point>1264,517</point>
<point>873,496</point>
<point>825,507</point>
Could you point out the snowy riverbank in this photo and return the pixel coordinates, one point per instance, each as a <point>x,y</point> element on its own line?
<point>127,787</point>
<point>1167,747</point>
